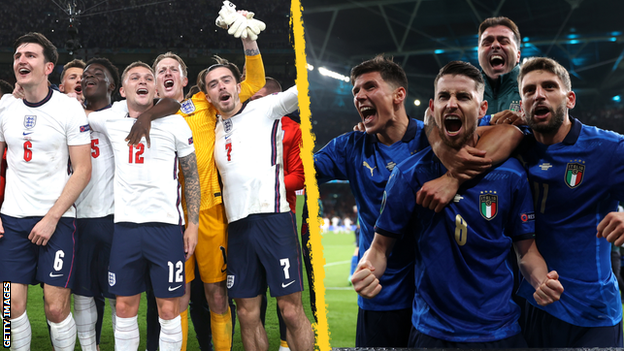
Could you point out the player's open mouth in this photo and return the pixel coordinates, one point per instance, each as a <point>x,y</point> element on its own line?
<point>497,61</point>
<point>24,71</point>
<point>541,111</point>
<point>368,113</point>
<point>224,97</point>
<point>452,125</point>
<point>78,89</point>
<point>142,91</point>
<point>169,83</point>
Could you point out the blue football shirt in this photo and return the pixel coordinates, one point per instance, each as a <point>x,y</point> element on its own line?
<point>462,276</point>
<point>367,164</point>
<point>576,183</point>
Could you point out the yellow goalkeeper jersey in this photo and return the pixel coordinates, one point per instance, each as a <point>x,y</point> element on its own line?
<point>201,117</point>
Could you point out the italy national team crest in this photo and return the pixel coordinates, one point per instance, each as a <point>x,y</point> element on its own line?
<point>574,174</point>
<point>30,121</point>
<point>489,205</point>
<point>112,279</point>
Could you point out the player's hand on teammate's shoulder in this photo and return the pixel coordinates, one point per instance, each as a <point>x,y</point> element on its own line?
<point>141,128</point>
<point>364,281</point>
<point>43,230</point>
<point>18,91</point>
<point>508,117</point>
<point>437,193</point>
<point>359,127</point>
<point>612,228</point>
<point>467,163</point>
<point>549,291</point>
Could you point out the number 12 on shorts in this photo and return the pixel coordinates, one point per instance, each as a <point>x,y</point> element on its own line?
<point>179,268</point>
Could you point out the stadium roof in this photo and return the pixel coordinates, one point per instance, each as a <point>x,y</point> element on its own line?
<point>587,37</point>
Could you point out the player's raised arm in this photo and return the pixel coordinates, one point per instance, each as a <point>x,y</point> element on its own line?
<point>365,279</point>
<point>192,193</point>
<point>548,288</point>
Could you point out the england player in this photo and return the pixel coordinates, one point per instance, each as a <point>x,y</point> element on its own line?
<point>201,117</point>
<point>94,209</point>
<point>366,160</point>
<point>71,79</point>
<point>262,239</point>
<point>42,132</point>
<point>148,236</point>
<point>575,172</point>
<point>463,285</point>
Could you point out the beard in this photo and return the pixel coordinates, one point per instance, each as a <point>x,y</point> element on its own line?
<point>553,125</point>
<point>463,139</point>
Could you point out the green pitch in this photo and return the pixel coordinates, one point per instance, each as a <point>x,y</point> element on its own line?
<point>41,339</point>
<point>341,298</point>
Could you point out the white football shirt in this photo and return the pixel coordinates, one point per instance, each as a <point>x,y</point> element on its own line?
<point>37,138</point>
<point>248,153</point>
<point>146,179</point>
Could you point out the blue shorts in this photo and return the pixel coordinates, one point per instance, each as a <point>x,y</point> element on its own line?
<point>139,250</point>
<point>23,262</point>
<point>383,328</point>
<point>95,237</point>
<point>420,340</point>
<point>263,249</point>
<point>543,330</point>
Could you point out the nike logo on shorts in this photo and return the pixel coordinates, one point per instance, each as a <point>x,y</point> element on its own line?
<point>55,275</point>
<point>286,285</point>
<point>176,288</point>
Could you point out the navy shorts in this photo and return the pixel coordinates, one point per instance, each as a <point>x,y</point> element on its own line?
<point>139,251</point>
<point>543,330</point>
<point>383,328</point>
<point>95,237</point>
<point>420,340</point>
<point>263,249</point>
<point>23,262</point>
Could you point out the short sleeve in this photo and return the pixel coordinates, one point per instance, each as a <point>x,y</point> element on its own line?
<point>183,136</point>
<point>397,205</point>
<point>78,130</point>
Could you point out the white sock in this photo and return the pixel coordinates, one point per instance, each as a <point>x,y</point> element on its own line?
<point>127,334</point>
<point>63,334</point>
<point>170,334</point>
<point>86,317</point>
<point>21,334</point>
<point>113,306</point>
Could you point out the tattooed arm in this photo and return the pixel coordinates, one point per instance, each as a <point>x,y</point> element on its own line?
<point>192,194</point>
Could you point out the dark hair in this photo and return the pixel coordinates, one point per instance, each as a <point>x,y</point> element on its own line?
<point>112,69</point>
<point>5,87</point>
<point>220,62</point>
<point>500,21</point>
<point>75,63</point>
<point>390,71</point>
<point>544,64</point>
<point>49,50</point>
<point>462,68</point>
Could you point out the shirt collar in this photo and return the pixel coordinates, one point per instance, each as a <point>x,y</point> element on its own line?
<point>574,132</point>
<point>410,133</point>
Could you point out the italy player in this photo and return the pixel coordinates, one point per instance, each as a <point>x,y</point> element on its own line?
<point>94,209</point>
<point>148,238</point>
<point>262,239</point>
<point>42,132</point>
<point>576,176</point>
<point>367,160</point>
<point>463,284</point>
